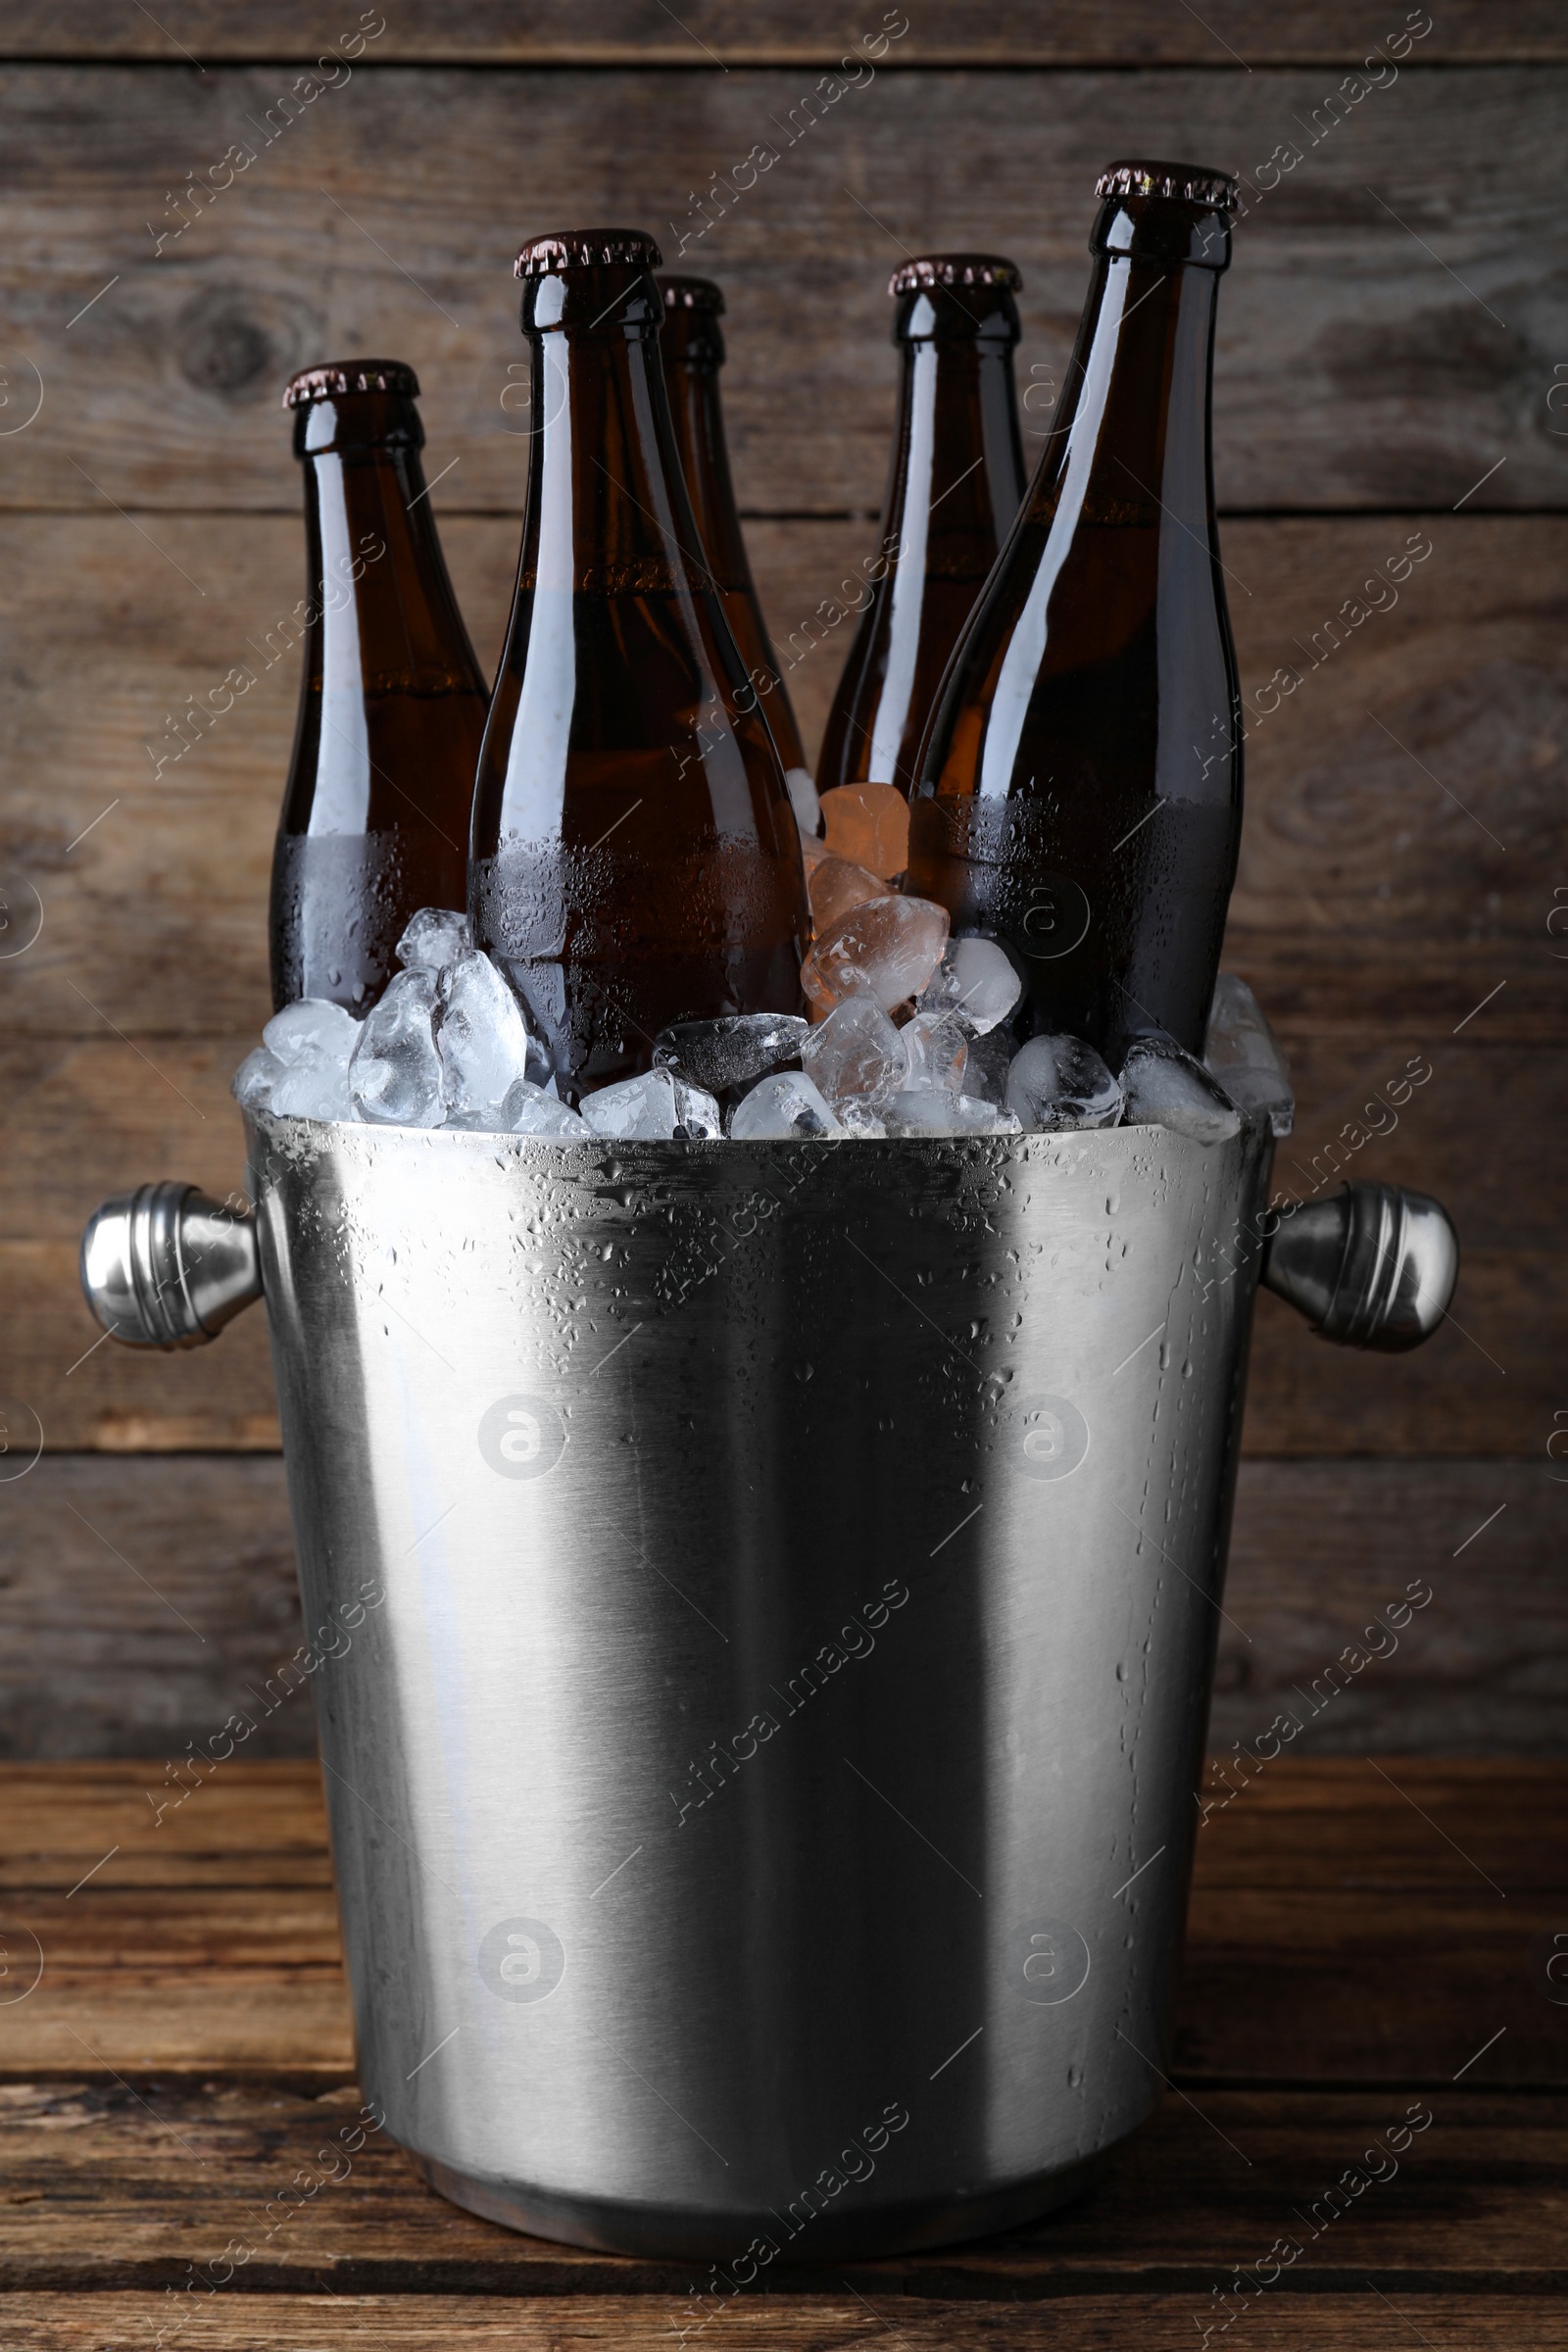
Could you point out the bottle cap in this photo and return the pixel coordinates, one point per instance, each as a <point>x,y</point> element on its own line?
<point>586,249</point>
<point>1188,183</point>
<point>337,377</point>
<point>692,294</point>
<point>955,270</point>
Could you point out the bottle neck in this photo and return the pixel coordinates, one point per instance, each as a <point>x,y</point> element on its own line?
<point>1132,446</point>
<point>698,420</point>
<point>957,469</point>
<point>380,617</point>
<point>608,510</point>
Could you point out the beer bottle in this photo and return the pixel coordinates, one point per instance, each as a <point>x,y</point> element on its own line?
<point>693,350</point>
<point>635,855</point>
<point>392,705</point>
<point>953,495</point>
<point>1081,791</point>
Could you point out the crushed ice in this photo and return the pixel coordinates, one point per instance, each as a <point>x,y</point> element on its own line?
<point>908,1039</point>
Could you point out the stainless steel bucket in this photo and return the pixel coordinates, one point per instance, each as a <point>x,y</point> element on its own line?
<point>783,1584</point>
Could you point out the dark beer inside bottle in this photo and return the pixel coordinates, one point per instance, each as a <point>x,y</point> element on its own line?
<point>693,352</point>
<point>1081,798</point>
<point>636,859</point>
<point>953,490</point>
<point>376,819</point>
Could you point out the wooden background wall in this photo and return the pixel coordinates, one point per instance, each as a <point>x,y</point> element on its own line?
<point>1391,338</point>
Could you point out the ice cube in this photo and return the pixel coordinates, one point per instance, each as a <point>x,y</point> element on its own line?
<point>1241,1051</point>
<point>785,1107</point>
<point>395,1075</point>
<point>731,1050</point>
<point>482,1038</point>
<point>870,825</point>
<point>311,1042</point>
<point>885,948</point>
<point>855,1053</point>
<point>797,783</point>
<point>314,1087</point>
<point>252,1083</point>
<point>433,938</point>
<point>936,1052</point>
<point>856,1117</point>
<point>526,1109</point>
<point>985,1073</point>
<point>529,1110</point>
<point>834,886</point>
<point>1166,1088</point>
<point>1059,1083</point>
<point>974,981</point>
<point>312,1026</point>
<point>658,1104</point>
<point>929,1111</point>
<point>700,1118</point>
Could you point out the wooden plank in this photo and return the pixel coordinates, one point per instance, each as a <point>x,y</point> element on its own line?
<point>98,1663</point>
<point>1321,1893</point>
<point>81,1389</point>
<point>172,1923</point>
<point>320,2323</point>
<point>266,1819</point>
<point>1469,2204</point>
<point>1319,1888</point>
<point>1367,898</point>
<point>145,1601</point>
<point>1481,1385</point>
<point>1370,357</point>
<point>1319,1549</point>
<point>768,32</point>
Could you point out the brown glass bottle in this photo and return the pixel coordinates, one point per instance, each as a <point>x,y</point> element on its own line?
<point>953,495</point>
<point>691,347</point>
<point>635,855</point>
<point>1081,792</point>
<point>392,706</point>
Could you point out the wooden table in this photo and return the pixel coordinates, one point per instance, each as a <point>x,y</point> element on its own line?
<point>1368,1944</point>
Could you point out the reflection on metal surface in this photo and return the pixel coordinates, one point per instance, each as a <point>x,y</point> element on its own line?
<point>166,1267</point>
<point>1373,1267</point>
<point>665,1856</point>
<point>682,1859</point>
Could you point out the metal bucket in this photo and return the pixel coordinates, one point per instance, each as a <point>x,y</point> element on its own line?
<point>779,1589</point>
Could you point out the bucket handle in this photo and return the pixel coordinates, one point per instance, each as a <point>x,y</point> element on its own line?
<point>1373,1267</point>
<point>166,1266</point>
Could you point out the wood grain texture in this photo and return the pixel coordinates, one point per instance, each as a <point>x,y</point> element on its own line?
<point>1319,1897</point>
<point>954,33</point>
<point>1388,333</point>
<point>216,1931</point>
<point>829,2323</point>
<point>139,2184</point>
<point>144,1602</point>
<point>203,1941</point>
<point>1320,1550</point>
